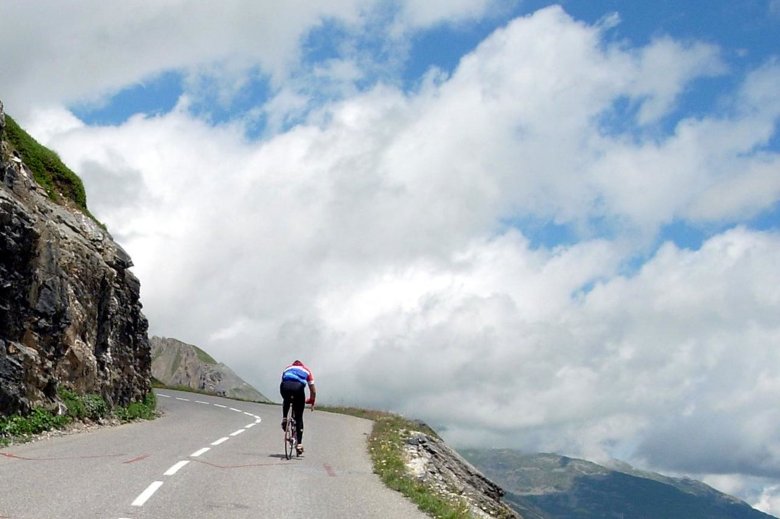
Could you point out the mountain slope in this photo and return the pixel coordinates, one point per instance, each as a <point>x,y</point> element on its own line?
<point>548,486</point>
<point>175,363</point>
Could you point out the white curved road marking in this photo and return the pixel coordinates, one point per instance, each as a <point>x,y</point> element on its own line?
<point>154,486</point>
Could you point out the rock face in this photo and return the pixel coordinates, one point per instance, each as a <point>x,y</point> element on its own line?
<point>69,307</point>
<point>432,461</point>
<point>175,363</point>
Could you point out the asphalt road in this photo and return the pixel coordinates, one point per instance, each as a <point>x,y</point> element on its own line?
<point>206,457</point>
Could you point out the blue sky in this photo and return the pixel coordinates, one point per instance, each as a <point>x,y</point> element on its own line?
<point>583,197</point>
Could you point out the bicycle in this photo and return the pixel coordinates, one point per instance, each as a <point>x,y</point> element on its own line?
<point>290,434</point>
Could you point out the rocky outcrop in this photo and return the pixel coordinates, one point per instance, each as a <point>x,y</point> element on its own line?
<point>175,363</point>
<point>69,307</point>
<point>433,462</point>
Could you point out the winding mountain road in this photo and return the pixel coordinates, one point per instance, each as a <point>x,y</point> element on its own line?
<point>206,457</point>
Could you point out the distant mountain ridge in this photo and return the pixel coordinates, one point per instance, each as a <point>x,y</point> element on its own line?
<point>175,363</point>
<point>549,486</point>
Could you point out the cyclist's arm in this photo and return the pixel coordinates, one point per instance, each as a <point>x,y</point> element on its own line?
<point>313,395</point>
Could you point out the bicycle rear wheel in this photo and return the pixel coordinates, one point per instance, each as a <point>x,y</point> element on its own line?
<point>289,438</point>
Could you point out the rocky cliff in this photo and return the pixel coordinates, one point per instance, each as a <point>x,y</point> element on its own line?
<point>434,463</point>
<point>69,307</point>
<point>175,363</point>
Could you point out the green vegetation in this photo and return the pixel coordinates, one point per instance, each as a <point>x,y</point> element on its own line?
<point>175,364</point>
<point>386,445</point>
<point>144,410</point>
<point>38,421</point>
<point>47,168</point>
<point>81,408</point>
<point>88,407</point>
<point>204,357</point>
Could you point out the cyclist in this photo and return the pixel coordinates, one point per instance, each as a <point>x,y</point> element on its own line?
<point>295,378</point>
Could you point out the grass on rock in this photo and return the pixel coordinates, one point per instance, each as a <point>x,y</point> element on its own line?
<point>78,408</point>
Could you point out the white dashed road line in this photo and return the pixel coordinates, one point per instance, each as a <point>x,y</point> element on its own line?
<point>152,488</point>
<point>175,468</point>
<point>199,452</point>
<point>146,494</point>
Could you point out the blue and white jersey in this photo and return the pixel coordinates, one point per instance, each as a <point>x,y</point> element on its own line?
<point>298,372</point>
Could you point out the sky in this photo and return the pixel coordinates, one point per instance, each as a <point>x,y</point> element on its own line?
<point>552,227</point>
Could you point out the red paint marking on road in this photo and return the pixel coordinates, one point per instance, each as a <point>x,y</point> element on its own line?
<point>137,458</point>
<point>216,466</point>
<point>329,470</point>
<point>64,458</point>
<point>13,456</point>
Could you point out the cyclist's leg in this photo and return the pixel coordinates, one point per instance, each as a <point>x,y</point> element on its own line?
<point>299,404</point>
<point>286,394</point>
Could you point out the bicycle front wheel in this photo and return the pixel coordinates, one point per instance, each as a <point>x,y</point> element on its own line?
<point>289,439</point>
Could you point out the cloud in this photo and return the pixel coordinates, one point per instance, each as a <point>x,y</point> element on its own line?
<point>769,500</point>
<point>674,355</point>
<point>679,63</point>
<point>378,235</point>
<point>418,15</point>
<point>92,50</point>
